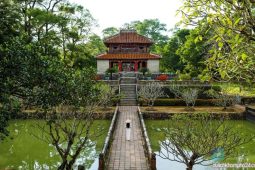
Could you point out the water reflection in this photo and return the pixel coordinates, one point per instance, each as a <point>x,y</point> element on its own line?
<point>244,154</point>
<point>23,151</point>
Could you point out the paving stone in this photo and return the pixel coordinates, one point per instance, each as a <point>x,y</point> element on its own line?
<point>128,155</point>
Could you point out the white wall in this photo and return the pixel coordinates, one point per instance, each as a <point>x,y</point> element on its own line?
<point>102,66</point>
<point>153,66</point>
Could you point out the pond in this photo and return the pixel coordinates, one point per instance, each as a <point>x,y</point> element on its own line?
<point>22,150</point>
<point>247,151</point>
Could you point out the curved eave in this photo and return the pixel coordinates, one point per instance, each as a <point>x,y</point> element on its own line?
<point>145,56</point>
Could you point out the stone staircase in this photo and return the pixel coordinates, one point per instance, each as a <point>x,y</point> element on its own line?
<point>128,90</point>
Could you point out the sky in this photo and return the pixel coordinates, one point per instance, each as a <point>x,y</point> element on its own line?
<point>114,13</point>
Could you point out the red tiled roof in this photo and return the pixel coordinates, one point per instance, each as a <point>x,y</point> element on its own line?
<point>128,36</point>
<point>127,56</point>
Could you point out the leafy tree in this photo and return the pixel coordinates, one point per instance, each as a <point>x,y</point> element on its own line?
<point>95,45</point>
<point>75,25</point>
<point>9,18</point>
<point>110,31</point>
<point>194,50</point>
<point>153,29</point>
<point>70,133</point>
<point>225,99</point>
<point>11,106</point>
<point>232,25</point>
<point>187,94</point>
<point>108,95</point>
<point>171,61</point>
<point>40,44</point>
<point>87,52</point>
<point>150,92</point>
<point>196,140</point>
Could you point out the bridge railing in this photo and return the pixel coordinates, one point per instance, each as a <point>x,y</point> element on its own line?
<point>148,151</point>
<point>136,88</point>
<point>104,155</point>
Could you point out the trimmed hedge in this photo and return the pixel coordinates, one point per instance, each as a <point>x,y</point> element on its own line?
<point>199,102</point>
<point>179,102</point>
<point>248,100</point>
<point>162,116</point>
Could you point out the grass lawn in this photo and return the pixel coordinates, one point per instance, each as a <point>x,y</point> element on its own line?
<point>198,109</point>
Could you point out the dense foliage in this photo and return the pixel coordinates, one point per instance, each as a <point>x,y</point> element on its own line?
<point>47,55</point>
<point>231,24</point>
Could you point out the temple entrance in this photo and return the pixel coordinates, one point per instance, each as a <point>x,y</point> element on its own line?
<point>128,66</point>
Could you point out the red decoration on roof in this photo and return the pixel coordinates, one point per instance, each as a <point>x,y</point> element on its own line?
<point>128,36</point>
<point>127,56</point>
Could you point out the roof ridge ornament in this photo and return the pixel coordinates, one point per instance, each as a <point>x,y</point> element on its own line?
<point>128,31</point>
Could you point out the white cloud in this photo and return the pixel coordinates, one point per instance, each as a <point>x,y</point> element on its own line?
<point>117,12</point>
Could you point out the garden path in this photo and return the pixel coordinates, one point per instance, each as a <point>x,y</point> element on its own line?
<point>124,154</point>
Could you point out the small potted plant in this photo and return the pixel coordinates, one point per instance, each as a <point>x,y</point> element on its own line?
<point>148,76</point>
<point>111,71</point>
<point>143,70</point>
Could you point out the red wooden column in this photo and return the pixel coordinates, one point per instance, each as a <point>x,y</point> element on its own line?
<point>136,66</point>
<point>120,66</point>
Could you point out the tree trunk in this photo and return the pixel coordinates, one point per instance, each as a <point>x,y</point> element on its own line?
<point>190,166</point>
<point>191,162</point>
<point>69,166</point>
<point>63,165</point>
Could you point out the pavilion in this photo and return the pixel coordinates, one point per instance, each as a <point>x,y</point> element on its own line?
<point>128,51</point>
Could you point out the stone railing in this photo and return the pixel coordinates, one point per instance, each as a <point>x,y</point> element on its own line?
<point>104,155</point>
<point>177,82</point>
<point>148,151</point>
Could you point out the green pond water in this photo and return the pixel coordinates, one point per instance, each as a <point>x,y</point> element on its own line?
<point>22,150</point>
<point>246,152</point>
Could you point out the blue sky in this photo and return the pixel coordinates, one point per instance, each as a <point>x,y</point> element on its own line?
<point>117,12</point>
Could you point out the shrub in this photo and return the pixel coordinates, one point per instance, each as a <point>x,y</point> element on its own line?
<point>98,77</point>
<point>143,70</point>
<point>162,77</point>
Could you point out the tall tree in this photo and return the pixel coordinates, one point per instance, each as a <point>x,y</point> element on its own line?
<point>150,92</point>
<point>70,132</point>
<point>110,31</point>
<point>9,18</point>
<point>153,29</point>
<point>171,61</point>
<point>194,51</point>
<point>31,47</point>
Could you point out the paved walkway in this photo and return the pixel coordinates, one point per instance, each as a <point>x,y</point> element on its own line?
<point>127,155</point>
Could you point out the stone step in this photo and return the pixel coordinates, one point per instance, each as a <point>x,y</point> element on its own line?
<point>129,98</point>
<point>128,102</point>
<point>128,81</point>
<point>127,74</point>
<point>128,85</point>
<point>128,90</point>
<point>129,95</point>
